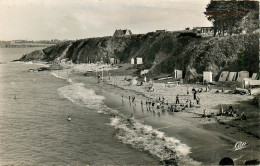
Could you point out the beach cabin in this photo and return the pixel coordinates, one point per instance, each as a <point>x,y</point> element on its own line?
<point>249,81</point>
<point>139,61</point>
<point>223,76</point>
<point>112,60</point>
<point>255,76</point>
<point>132,61</point>
<point>177,74</point>
<point>241,75</point>
<point>207,76</point>
<point>232,76</point>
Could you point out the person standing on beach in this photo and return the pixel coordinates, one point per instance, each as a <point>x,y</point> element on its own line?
<point>158,105</point>
<point>177,99</point>
<point>98,78</point>
<point>133,98</point>
<point>204,113</point>
<point>198,100</point>
<point>194,94</point>
<point>221,111</point>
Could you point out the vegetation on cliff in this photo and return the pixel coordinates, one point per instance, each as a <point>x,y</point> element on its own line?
<point>163,52</point>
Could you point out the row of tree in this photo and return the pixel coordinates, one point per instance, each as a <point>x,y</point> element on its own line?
<point>233,17</point>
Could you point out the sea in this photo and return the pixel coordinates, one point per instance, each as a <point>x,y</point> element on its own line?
<point>34,127</point>
<point>34,130</point>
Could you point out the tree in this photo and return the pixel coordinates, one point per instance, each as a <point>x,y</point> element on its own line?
<point>226,16</point>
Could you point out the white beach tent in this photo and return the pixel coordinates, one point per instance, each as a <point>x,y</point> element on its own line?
<point>255,76</point>
<point>249,81</point>
<point>139,61</point>
<point>177,74</point>
<point>112,60</point>
<point>232,76</point>
<point>223,76</point>
<point>241,75</point>
<point>132,61</point>
<point>207,76</point>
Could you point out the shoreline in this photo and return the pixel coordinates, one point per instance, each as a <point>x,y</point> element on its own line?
<point>227,134</point>
<point>187,132</point>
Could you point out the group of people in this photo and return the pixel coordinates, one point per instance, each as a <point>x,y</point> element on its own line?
<point>162,103</point>
<point>230,112</point>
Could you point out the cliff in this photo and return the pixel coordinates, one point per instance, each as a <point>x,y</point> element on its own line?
<point>163,52</point>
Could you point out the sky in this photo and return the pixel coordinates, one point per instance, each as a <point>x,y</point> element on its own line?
<point>78,19</point>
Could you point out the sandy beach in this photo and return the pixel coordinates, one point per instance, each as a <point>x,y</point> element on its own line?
<point>209,140</point>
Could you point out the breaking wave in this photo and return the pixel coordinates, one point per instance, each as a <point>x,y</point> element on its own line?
<point>78,94</point>
<point>146,138</point>
<point>59,76</point>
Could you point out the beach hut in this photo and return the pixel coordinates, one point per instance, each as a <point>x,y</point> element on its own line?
<point>207,76</point>
<point>177,74</point>
<point>132,61</point>
<point>241,75</point>
<point>112,60</point>
<point>232,76</point>
<point>249,81</point>
<point>139,61</point>
<point>223,76</point>
<point>255,76</point>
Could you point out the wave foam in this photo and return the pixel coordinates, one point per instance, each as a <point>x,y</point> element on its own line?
<point>146,138</point>
<point>78,94</point>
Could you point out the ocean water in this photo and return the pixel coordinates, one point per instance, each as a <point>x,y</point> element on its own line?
<point>34,127</point>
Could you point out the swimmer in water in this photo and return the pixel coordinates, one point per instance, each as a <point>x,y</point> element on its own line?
<point>14,96</point>
<point>69,118</point>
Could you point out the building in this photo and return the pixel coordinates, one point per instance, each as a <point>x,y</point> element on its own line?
<point>125,32</point>
<point>160,31</point>
<point>205,31</point>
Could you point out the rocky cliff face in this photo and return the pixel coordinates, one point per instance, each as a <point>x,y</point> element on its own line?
<point>164,52</point>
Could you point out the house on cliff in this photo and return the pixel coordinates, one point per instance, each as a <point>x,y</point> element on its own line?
<point>124,32</point>
<point>205,31</point>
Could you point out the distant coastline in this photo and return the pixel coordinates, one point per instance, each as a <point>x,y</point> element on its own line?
<point>29,43</point>
<point>25,45</point>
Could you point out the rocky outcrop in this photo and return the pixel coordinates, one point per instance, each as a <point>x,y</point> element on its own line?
<point>35,55</point>
<point>163,52</point>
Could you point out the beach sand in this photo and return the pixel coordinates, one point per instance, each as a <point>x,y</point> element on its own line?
<point>209,140</point>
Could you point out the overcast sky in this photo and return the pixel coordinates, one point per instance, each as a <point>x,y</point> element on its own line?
<point>77,19</point>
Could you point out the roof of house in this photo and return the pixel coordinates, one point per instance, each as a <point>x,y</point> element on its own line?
<point>120,32</point>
